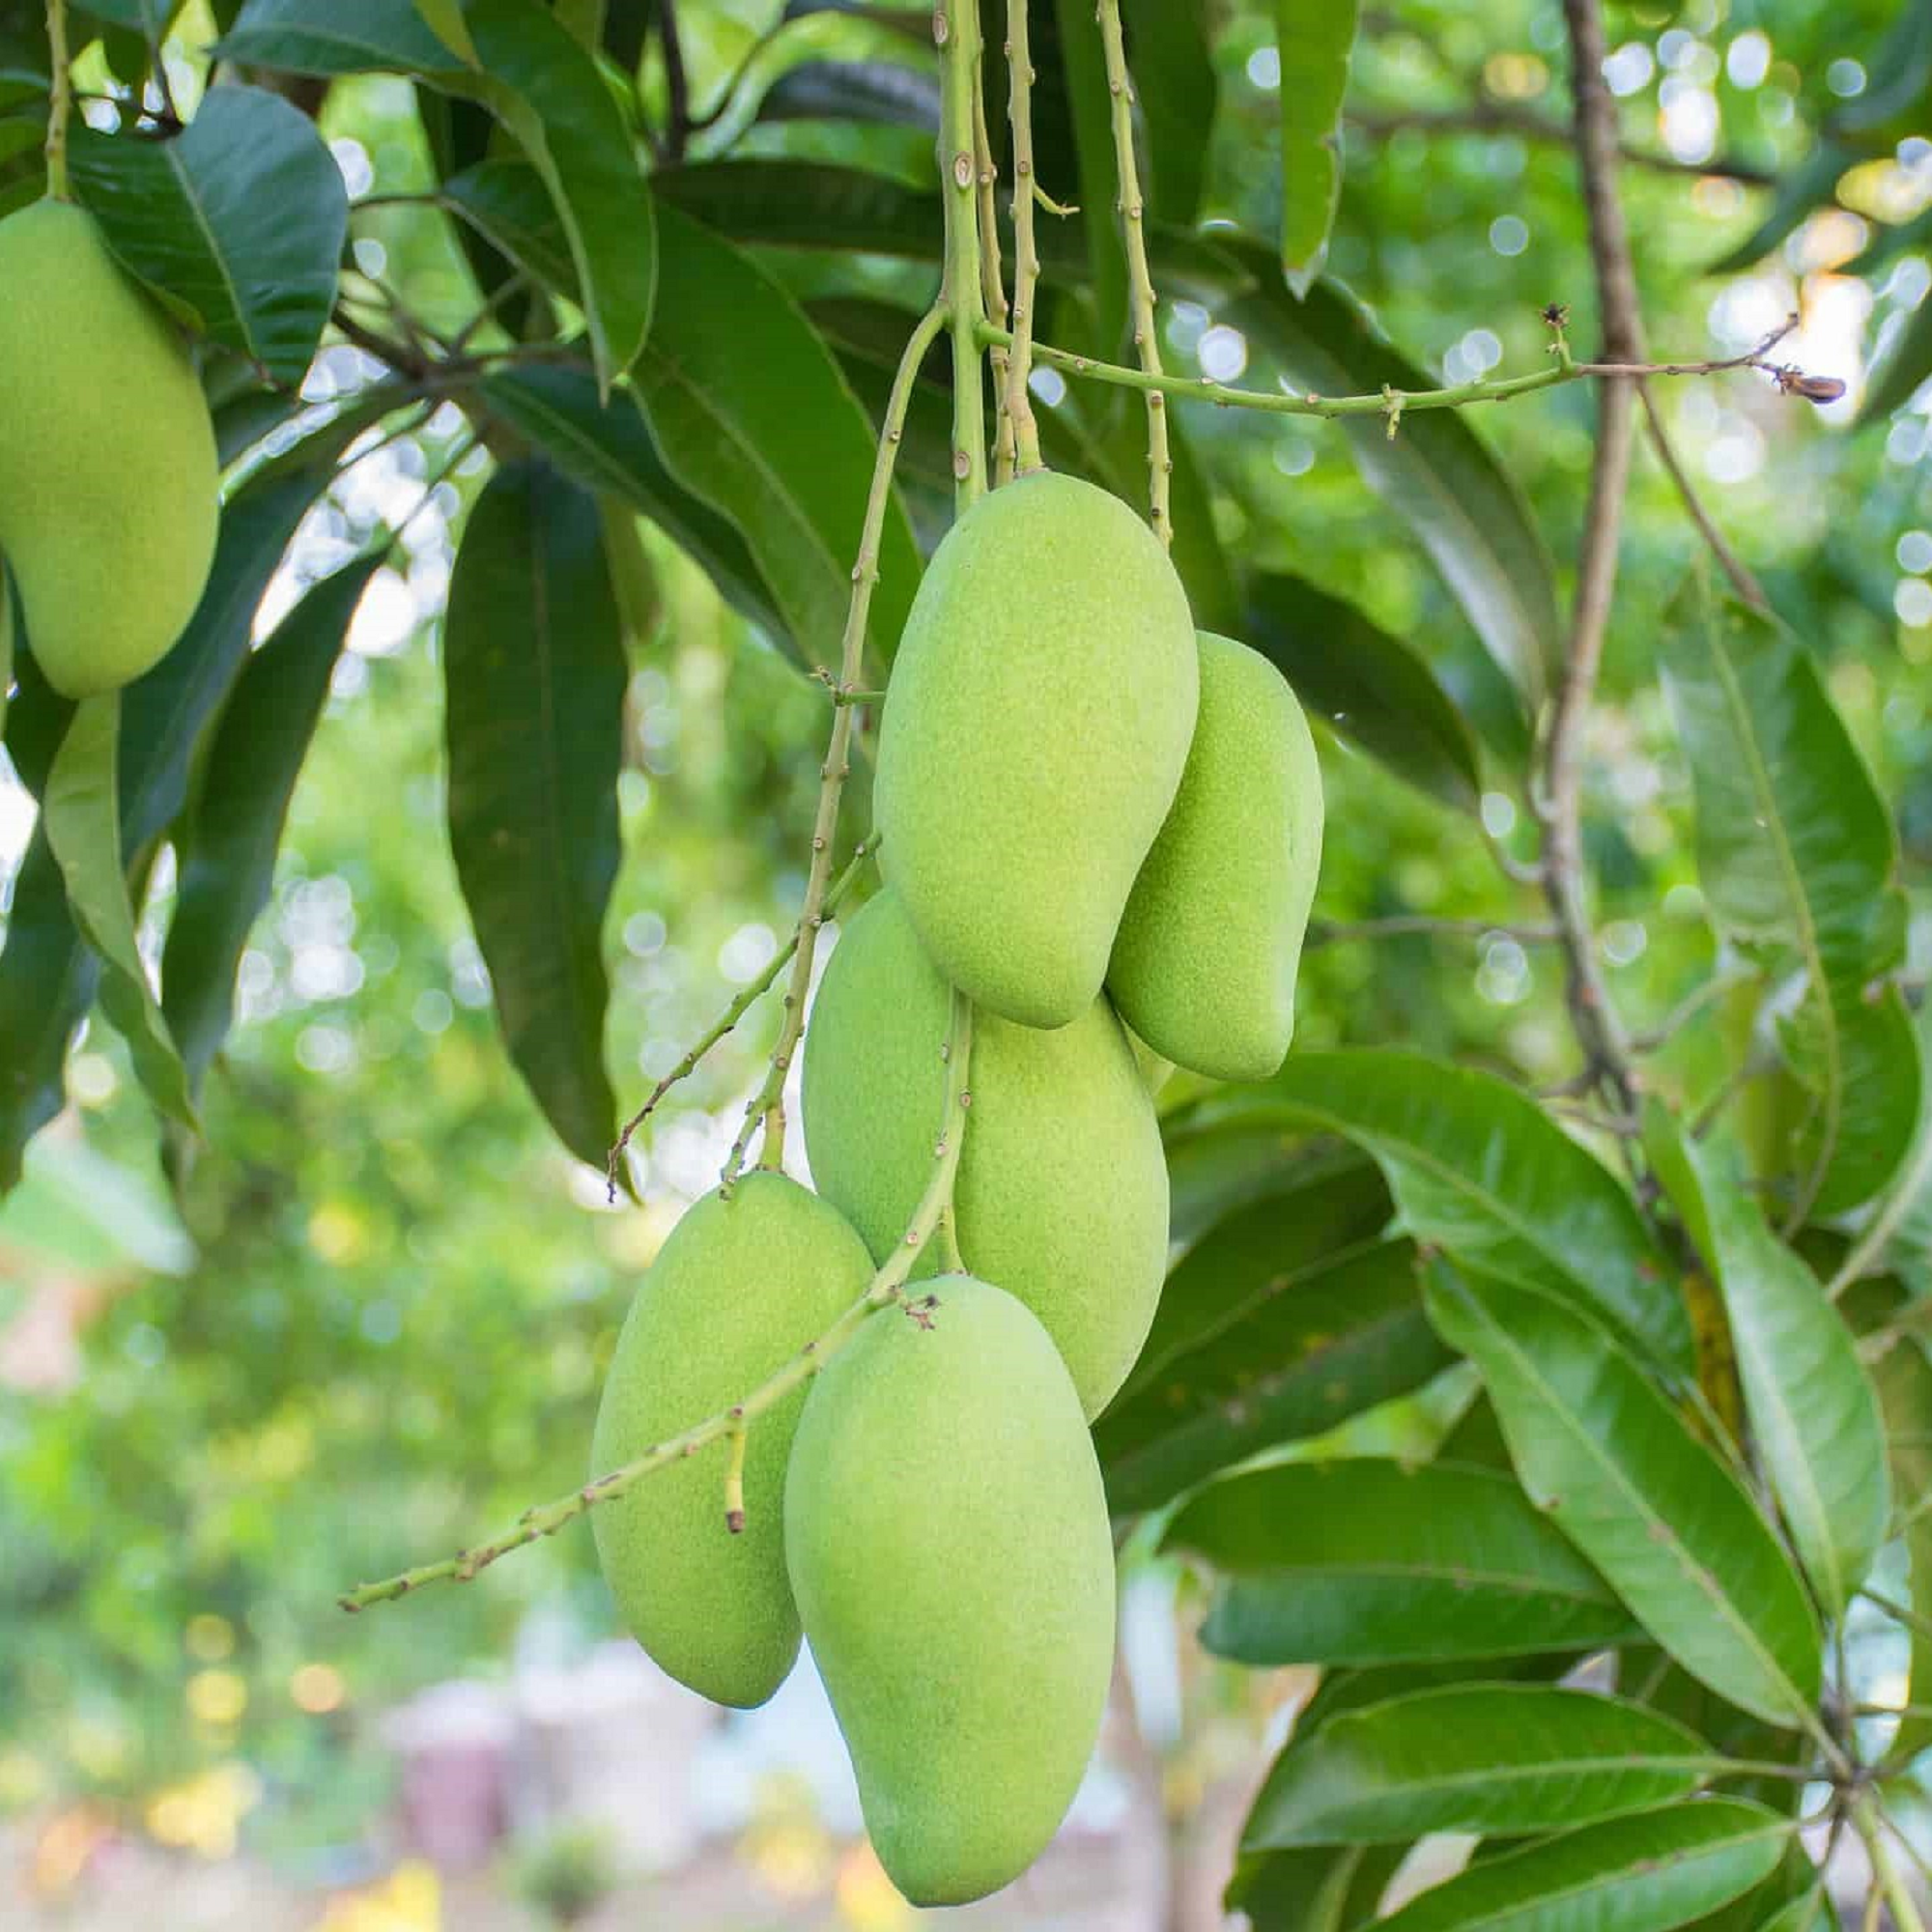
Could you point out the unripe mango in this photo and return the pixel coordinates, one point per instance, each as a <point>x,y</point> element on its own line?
<point>740,1287</point>
<point>1061,1195</point>
<point>949,1544</point>
<point>1034,730</point>
<point>109,477</point>
<point>1205,962</point>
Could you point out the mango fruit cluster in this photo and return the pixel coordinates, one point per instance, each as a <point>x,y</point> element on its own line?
<point>1105,829</point>
<point>108,476</point>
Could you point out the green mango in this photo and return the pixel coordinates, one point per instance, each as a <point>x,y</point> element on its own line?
<point>1061,1192</point>
<point>1205,962</point>
<point>949,1550</point>
<point>740,1287</point>
<point>109,477</point>
<point>1034,730</point>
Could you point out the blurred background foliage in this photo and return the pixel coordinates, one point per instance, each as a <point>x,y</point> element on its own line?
<point>369,1318</point>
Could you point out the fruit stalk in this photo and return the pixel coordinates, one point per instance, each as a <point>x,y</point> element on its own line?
<point>992,278</point>
<point>1119,84</point>
<point>768,1103</point>
<point>956,27</point>
<point>60,103</point>
<point>886,1289</point>
<point>1026,255</point>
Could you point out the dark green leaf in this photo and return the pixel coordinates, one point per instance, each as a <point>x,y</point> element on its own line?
<point>1367,685</point>
<point>1906,364</point>
<point>237,224</point>
<point>444,20</point>
<point>1478,1169</point>
<point>1796,848</point>
<point>1196,550</point>
<point>1090,104</point>
<point>1904,1379</point>
<point>506,201</point>
<point>1508,1759</point>
<point>882,92</point>
<point>1319,1343</point>
<point>1671,1526</point>
<point>1168,44</point>
<point>752,414</point>
<point>345,37</point>
<point>252,765</point>
<point>1312,1889</point>
<point>534,673</point>
<point>1650,1872</point>
<point>1315,42</point>
<point>1215,1166</point>
<point>1814,1416</point>
<point>1373,1562</point>
<point>608,448</point>
<point>83,831</point>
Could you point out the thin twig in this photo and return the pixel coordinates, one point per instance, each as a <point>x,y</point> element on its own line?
<point>887,1287</point>
<point>1139,278</point>
<point>1743,581</point>
<point>767,1105</point>
<point>1026,253</point>
<point>733,1014</point>
<point>1560,803</point>
<point>956,28</point>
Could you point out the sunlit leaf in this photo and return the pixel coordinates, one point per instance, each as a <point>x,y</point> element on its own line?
<point>1315,38</point>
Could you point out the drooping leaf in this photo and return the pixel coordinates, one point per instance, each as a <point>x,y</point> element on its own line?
<point>1650,1872</point>
<point>1315,42</point>
<point>1479,1170</point>
<point>444,20</point>
<point>1508,1759</point>
<point>1168,43</point>
<point>1901,1224</point>
<point>885,92</point>
<point>506,201</point>
<point>1312,1889</point>
<point>1214,1167</point>
<point>752,414</point>
<point>608,448</point>
<point>1090,106</point>
<point>1366,684</point>
<point>1319,1343</point>
<point>534,673</point>
<point>237,224</point>
<point>253,763</point>
<point>1796,848</point>
<point>1363,1562</point>
<point>1670,1527</point>
<point>81,816</point>
<point>1813,1412</point>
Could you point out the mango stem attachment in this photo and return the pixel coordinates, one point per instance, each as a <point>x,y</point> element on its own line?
<point>60,103</point>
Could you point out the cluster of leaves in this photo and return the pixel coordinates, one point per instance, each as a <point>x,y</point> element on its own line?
<point>673,326</point>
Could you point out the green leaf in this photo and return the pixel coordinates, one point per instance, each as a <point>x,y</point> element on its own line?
<point>506,201</point>
<point>1813,1412</point>
<point>1090,102</point>
<point>1901,1224</point>
<point>1214,1167</point>
<point>1367,685</point>
<point>1316,1344</point>
<point>345,37</point>
<point>882,92</point>
<point>1796,848</point>
<point>1904,1379</point>
<point>1365,1561</point>
<point>1316,41</point>
<point>1168,43</point>
<point>1649,1872</point>
<point>1497,1759</point>
<point>237,224</point>
<point>1669,1526</point>
<point>753,416</point>
<point>444,20</point>
<point>1478,1169</point>
<point>1312,1889</point>
<point>608,448</point>
<point>535,672</point>
<point>1905,366</point>
<point>253,763</point>
<point>82,821</point>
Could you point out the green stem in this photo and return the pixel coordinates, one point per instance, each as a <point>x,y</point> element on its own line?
<point>1139,278</point>
<point>60,103</point>
<point>767,1105</point>
<point>886,1289</point>
<point>955,26</point>
<point>1891,1883</point>
<point>1026,253</point>
<point>992,276</point>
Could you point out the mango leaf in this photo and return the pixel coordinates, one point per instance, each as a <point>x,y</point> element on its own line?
<point>253,763</point>
<point>547,90</point>
<point>1479,1170</point>
<point>444,20</point>
<point>535,672</point>
<point>608,448</point>
<point>1365,1561</point>
<point>1321,1342</point>
<point>1903,368</point>
<point>1508,1759</point>
<point>1168,43</point>
<point>1901,1224</point>
<point>237,224</point>
<point>1088,98</point>
<point>1312,1889</point>
<point>1814,1414</point>
<point>1796,848</point>
<point>1669,1526</point>
<point>1315,42</point>
<point>1368,686</point>
<point>753,416</point>
<point>506,201</point>
<point>882,92</point>
<point>1215,1166</point>
<point>1904,1379</point>
<point>1649,1872</point>
<point>84,835</point>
